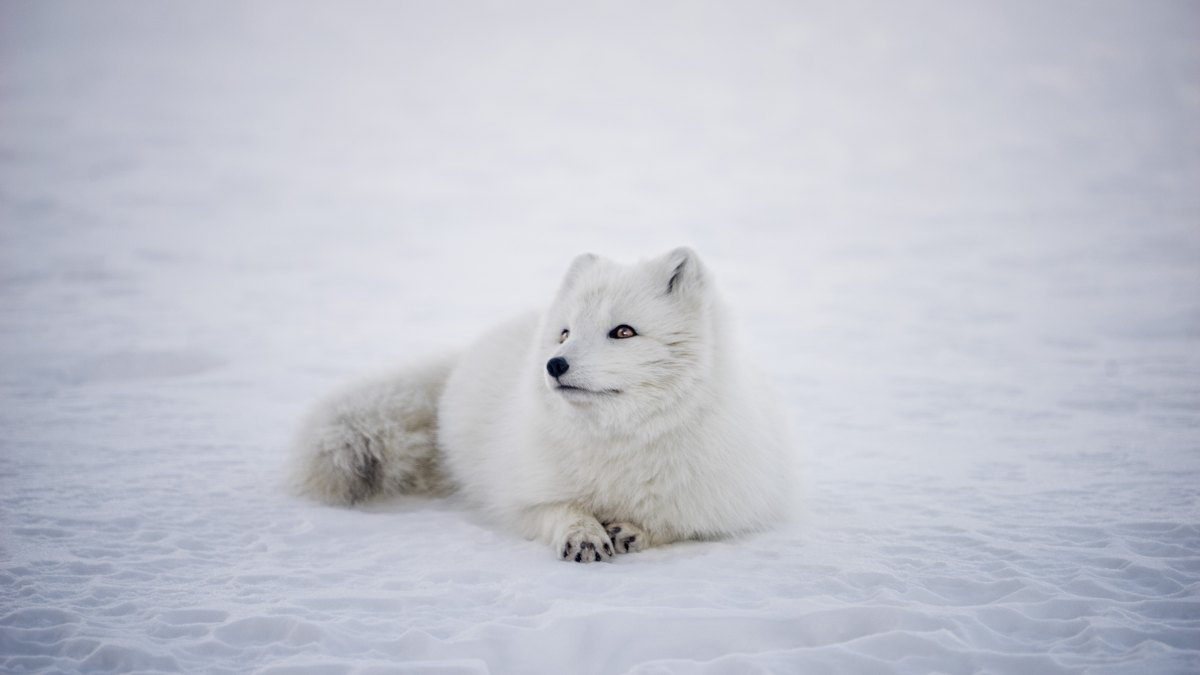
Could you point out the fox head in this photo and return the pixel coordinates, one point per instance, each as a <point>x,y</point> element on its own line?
<point>622,342</point>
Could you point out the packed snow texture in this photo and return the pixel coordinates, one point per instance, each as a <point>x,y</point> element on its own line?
<point>962,238</point>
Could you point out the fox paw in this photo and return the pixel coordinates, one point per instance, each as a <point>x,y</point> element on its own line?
<point>586,542</point>
<point>626,537</point>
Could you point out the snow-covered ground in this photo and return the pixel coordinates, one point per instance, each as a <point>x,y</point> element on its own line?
<point>965,237</point>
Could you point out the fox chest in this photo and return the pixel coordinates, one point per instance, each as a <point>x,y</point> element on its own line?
<point>635,486</point>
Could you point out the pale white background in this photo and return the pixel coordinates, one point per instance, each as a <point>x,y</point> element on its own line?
<point>964,239</point>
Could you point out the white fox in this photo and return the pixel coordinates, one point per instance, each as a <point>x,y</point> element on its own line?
<point>618,419</point>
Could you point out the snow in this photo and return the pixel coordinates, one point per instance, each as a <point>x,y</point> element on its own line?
<point>963,237</point>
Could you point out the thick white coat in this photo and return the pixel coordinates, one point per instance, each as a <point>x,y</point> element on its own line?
<point>663,436</point>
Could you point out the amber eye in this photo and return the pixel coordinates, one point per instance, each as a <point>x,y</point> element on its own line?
<point>563,338</point>
<point>621,332</point>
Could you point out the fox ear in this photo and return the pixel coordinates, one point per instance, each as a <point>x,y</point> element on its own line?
<point>685,274</point>
<point>578,265</point>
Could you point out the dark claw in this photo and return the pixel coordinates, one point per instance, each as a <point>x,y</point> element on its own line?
<point>579,557</point>
<point>615,530</point>
<point>587,545</point>
<point>566,551</point>
<point>608,549</point>
<point>630,541</point>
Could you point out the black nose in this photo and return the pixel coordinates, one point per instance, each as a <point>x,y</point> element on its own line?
<point>557,366</point>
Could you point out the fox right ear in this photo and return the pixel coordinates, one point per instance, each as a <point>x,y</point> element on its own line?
<point>578,265</point>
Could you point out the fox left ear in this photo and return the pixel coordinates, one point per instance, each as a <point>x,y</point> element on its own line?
<point>686,274</point>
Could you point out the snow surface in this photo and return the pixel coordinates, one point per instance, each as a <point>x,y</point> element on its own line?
<point>965,237</point>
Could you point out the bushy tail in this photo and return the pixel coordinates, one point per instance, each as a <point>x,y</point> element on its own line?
<point>375,439</point>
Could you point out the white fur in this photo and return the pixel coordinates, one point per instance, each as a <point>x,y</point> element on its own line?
<point>676,438</point>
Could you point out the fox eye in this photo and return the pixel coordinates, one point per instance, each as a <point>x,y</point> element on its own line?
<point>563,338</point>
<point>621,332</point>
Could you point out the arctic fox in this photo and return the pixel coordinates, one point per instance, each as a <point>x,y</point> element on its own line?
<point>618,419</point>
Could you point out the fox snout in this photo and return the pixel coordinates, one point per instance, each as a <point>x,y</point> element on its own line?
<point>557,366</point>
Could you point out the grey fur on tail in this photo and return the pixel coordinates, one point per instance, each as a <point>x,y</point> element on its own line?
<point>376,439</point>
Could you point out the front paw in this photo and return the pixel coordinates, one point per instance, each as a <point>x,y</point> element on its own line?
<point>626,537</point>
<point>586,542</point>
